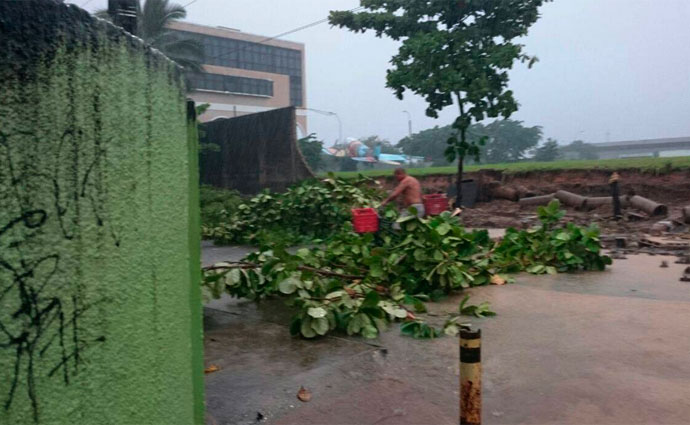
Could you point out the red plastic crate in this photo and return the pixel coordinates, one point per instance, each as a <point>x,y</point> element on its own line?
<point>365,220</point>
<point>435,204</point>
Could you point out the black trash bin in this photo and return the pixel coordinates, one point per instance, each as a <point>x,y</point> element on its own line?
<point>469,192</point>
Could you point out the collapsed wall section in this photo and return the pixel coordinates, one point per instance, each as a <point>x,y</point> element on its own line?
<point>257,151</point>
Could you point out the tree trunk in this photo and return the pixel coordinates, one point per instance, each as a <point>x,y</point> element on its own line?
<point>461,157</point>
<point>458,198</point>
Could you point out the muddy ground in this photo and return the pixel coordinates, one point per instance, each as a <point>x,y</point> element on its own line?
<point>671,188</point>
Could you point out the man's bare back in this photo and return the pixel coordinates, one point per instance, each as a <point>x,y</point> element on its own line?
<point>408,187</point>
<point>411,191</point>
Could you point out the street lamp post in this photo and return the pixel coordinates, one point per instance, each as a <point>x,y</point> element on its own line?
<point>332,114</point>
<point>409,123</point>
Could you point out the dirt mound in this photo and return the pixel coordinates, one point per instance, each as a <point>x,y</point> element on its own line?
<point>670,188</point>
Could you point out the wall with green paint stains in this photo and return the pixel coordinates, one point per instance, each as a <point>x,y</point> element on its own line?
<point>100,319</point>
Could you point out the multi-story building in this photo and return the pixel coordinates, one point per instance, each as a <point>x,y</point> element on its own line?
<point>246,73</point>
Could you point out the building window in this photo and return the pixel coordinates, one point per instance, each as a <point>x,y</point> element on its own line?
<point>229,83</point>
<point>240,54</point>
<point>295,91</point>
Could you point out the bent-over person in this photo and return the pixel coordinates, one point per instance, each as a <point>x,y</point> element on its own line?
<point>411,192</point>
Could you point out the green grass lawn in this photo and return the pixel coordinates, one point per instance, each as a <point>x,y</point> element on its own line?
<point>644,164</point>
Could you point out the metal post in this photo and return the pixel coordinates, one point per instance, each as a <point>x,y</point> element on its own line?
<point>470,376</point>
<point>340,128</point>
<point>613,181</point>
<point>409,123</point>
<point>332,114</point>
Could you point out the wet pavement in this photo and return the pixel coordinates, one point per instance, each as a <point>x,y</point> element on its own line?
<point>586,348</point>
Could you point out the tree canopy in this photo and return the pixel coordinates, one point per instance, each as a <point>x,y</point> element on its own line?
<point>508,141</point>
<point>311,148</point>
<point>580,150</point>
<point>549,151</point>
<point>505,141</point>
<point>452,51</point>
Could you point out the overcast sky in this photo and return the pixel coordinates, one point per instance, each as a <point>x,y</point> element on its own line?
<point>620,67</point>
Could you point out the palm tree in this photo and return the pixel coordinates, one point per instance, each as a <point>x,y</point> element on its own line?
<point>153,19</point>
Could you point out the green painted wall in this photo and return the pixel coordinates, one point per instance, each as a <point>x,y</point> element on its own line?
<point>100,319</point>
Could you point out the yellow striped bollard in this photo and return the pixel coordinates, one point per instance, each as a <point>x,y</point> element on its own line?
<point>470,376</point>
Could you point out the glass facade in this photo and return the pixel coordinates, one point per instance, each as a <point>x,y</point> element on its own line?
<point>241,54</point>
<point>229,83</point>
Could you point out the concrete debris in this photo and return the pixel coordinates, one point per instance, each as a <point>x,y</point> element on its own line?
<point>663,244</point>
<point>632,216</point>
<point>303,395</point>
<point>686,275</point>
<point>661,226</point>
<point>621,242</point>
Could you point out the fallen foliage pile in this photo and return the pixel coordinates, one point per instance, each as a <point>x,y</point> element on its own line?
<point>359,283</point>
<point>314,209</point>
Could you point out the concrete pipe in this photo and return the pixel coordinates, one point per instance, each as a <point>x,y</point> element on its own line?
<point>536,200</point>
<point>571,199</point>
<point>597,201</point>
<point>648,206</point>
<point>504,192</point>
<point>686,214</point>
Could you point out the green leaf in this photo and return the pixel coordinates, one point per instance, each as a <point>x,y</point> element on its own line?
<point>306,329</point>
<point>335,294</point>
<point>443,228</point>
<point>354,325</point>
<point>288,286</point>
<point>320,325</point>
<point>371,299</point>
<point>438,255</point>
<point>376,270</point>
<point>317,312</point>
<point>303,253</point>
<point>451,329</point>
<point>295,326</point>
<point>369,332</point>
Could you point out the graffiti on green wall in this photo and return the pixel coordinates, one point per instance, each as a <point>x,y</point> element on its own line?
<point>95,311</point>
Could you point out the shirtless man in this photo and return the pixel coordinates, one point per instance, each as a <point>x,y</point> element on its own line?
<point>411,191</point>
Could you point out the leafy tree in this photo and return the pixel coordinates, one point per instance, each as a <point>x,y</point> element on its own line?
<point>508,141</point>
<point>549,151</point>
<point>153,20</point>
<point>432,143</point>
<point>581,150</point>
<point>458,48</point>
<point>505,141</point>
<point>311,150</point>
<point>386,146</point>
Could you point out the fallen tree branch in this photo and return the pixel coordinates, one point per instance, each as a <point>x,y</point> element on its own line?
<point>246,265</point>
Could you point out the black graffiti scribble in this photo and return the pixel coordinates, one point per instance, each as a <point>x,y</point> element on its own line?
<point>47,304</point>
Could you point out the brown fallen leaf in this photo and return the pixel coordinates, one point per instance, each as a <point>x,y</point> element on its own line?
<point>303,394</point>
<point>211,369</point>
<point>497,280</point>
